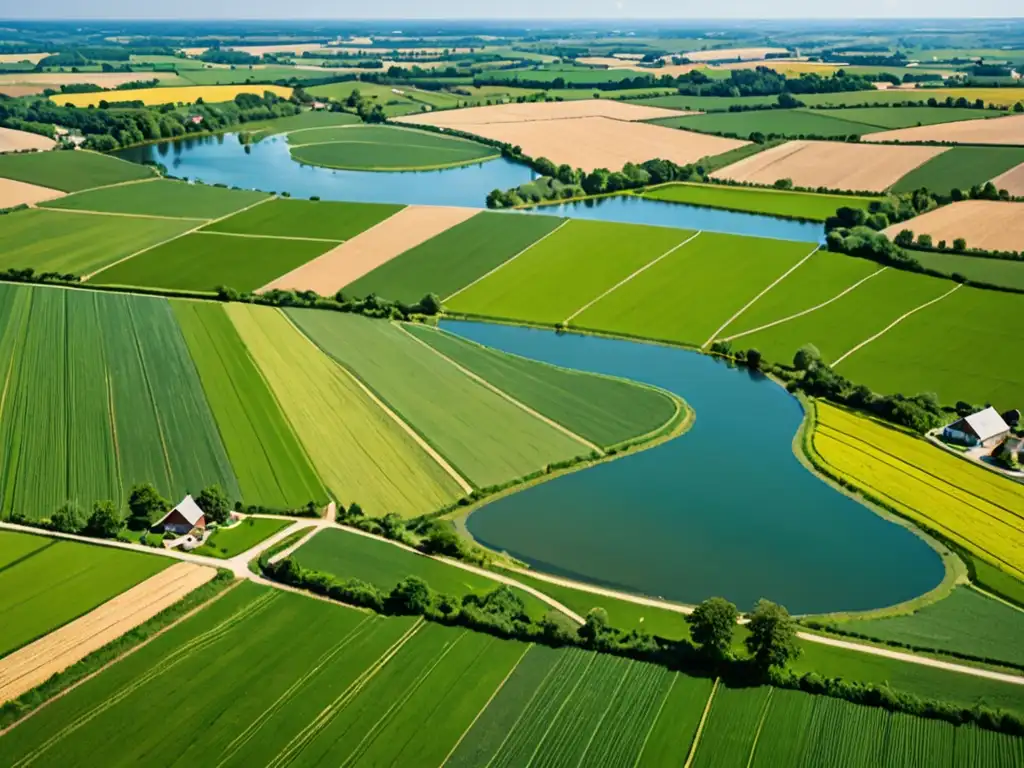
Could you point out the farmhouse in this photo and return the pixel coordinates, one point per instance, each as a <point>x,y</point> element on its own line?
<point>985,428</point>
<point>184,517</point>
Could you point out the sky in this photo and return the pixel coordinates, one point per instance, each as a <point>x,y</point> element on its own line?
<point>522,9</point>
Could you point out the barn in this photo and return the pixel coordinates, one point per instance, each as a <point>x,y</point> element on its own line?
<point>986,428</point>
<point>183,518</point>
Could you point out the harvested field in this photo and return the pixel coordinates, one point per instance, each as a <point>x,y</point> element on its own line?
<point>259,50</point>
<point>19,141</point>
<point>601,142</point>
<point>211,94</point>
<point>21,90</point>
<point>1003,130</point>
<point>282,217</point>
<point>987,224</point>
<point>13,193</point>
<point>71,171</point>
<point>17,58</point>
<point>33,664</point>
<point>1012,181</point>
<point>102,79</point>
<point>724,54</point>
<point>833,165</point>
<point>365,252</point>
<point>540,110</point>
<point>960,168</point>
<point>163,197</point>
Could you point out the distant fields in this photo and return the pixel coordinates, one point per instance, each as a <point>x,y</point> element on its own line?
<point>305,218</point>
<point>797,205</point>
<point>486,438</point>
<point>998,96</point>
<point>961,168</point>
<point>455,258</point>
<point>70,171</point>
<point>228,542</point>
<point>1004,272</point>
<point>384,148</point>
<point>188,94</point>
<point>162,197</point>
<point>45,583</point>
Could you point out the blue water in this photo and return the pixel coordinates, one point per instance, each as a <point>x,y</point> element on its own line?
<point>726,509</point>
<point>269,166</point>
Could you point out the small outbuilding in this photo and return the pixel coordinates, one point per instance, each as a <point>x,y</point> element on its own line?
<point>986,428</point>
<point>184,518</point>
<point>318,106</point>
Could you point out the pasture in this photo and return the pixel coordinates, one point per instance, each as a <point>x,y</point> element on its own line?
<point>162,197</point>
<point>960,168</point>
<point>908,117</point>
<point>79,243</point>
<point>282,217</point>
<point>1008,273</point>
<point>384,148</point>
<point>187,94</point>
<point>556,277</point>
<point>45,583</point>
<point>225,543</point>
<point>272,468</point>
<point>486,438</point>
<point>453,259</point>
<point>393,104</point>
<point>71,171</point>
<point>360,453</point>
<point>791,205</point>
<point>990,225</point>
<point>794,123</point>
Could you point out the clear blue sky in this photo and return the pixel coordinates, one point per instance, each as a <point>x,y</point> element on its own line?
<point>523,9</point>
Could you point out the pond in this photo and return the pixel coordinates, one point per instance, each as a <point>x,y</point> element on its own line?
<point>726,509</point>
<point>268,166</point>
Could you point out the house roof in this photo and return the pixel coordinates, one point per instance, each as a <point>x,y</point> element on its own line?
<point>987,423</point>
<point>188,509</point>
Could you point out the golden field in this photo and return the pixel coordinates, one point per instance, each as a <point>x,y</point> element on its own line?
<point>211,94</point>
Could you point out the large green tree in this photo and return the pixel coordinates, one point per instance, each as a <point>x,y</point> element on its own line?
<point>711,626</point>
<point>772,640</point>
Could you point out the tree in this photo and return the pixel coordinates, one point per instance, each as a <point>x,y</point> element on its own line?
<point>1018,107</point>
<point>443,540</point>
<point>430,304</point>
<point>410,596</point>
<point>924,240</point>
<point>104,522</point>
<point>68,518</point>
<point>558,628</point>
<point>805,357</point>
<point>711,626</point>
<point>959,244</point>
<point>595,626</point>
<point>772,639</point>
<point>215,505</point>
<point>145,505</point>
<point>783,184</point>
<point>544,167</point>
<point>754,359</point>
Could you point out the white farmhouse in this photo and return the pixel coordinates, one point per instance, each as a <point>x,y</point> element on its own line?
<point>986,428</point>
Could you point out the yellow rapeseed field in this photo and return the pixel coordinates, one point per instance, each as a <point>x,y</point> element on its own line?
<point>1001,97</point>
<point>969,505</point>
<point>188,94</point>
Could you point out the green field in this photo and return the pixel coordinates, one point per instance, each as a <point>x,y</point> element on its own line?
<point>455,258</point>
<point>795,205</point>
<point>732,726</point>
<point>306,218</point>
<point>392,103</point>
<point>45,583</point>
<point>70,171</point>
<point>712,278</point>
<point>349,555</point>
<point>1002,272</point>
<point>557,277</point>
<point>486,438</point>
<point>228,542</point>
<point>78,243</point>
<point>272,468</point>
<point>794,123</point>
<point>890,118</point>
<point>952,624</point>
<point>241,75</point>
<point>162,197</point>
<point>206,261</point>
<point>968,326</point>
<point>384,148</point>
<point>360,453</point>
<point>605,411</point>
<point>961,168</point>
<point>301,121</point>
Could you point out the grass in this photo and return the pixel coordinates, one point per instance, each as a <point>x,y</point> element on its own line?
<point>355,556</point>
<point>203,262</point>
<point>359,452</point>
<point>729,733</point>
<point>78,243</point>
<point>162,197</point>
<point>455,258</point>
<point>794,205</point>
<point>969,326</point>
<point>717,162</point>
<point>1002,272</point>
<point>392,103</point>
<point>952,625</point>
<point>384,148</point>
<point>306,218</point>
<point>225,543</point>
<point>713,277</point>
<point>970,506</point>
<point>301,121</point>
<point>272,467</point>
<point>487,439</point>
<point>49,586</point>
<point>605,411</point>
<point>70,171</point>
<point>558,276</point>
<point>224,77</point>
<point>960,168</point>
<point>188,94</point>
<point>668,741</point>
<point>890,118</point>
<point>792,123</point>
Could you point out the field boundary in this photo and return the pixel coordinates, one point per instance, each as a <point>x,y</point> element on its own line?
<point>700,726</point>
<point>270,237</point>
<point>121,214</point>
<point>760,725</point>
<point>655,719</point>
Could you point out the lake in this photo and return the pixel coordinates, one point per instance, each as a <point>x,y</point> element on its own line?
<point>726,509</point>
<point>268,166</point>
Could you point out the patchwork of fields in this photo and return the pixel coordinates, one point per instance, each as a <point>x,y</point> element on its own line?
<point>187,94</point>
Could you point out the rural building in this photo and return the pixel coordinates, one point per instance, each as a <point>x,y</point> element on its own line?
<point>195,119</point>
<point>184,517</point>
<point>318,105</point>
<point>985,428</point>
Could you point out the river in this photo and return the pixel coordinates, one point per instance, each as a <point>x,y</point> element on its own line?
<point>726,509</point>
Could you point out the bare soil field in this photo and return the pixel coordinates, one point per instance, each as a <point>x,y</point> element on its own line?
<point>540,111</point>
<point>16,141</point>
<point>259,50</point>
<point>999,130</point>
<point>831,164</point>
<point>35,663</point>
<point>330,272</point>
<point>16,58</point>
<point>673,70</point>
<point>14,193</point>
<point>599,142</point>
<point>1012,181</point>
<point>102,79</point>
<point>732,53</point>
<point>988,224</point>
<point>21,90</point>
<point>357,51</point>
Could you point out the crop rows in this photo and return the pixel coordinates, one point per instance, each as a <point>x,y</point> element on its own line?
<point>732,727</point>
